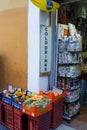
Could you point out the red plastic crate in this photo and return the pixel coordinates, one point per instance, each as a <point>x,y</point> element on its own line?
<point>20,120</point>
<point>2,113</point>
<point>40,123</point>
<point>57,113</point>
<point>8,116</point>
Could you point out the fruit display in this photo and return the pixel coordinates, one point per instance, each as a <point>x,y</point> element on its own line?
<point>37,101</point>
<point>37,105</point>
<point>15,96</point>
<point>31,103</point>
<point>20,97</point>
<point>54,94</point>
<point>7,92</point>
<point>7,95</point>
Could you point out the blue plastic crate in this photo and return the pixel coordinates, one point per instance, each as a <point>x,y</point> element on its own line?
<point>17,105</point>
<point>8,99</point>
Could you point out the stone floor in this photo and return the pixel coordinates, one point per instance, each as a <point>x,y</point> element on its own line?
<point>3,127</point>
<point>80,121</point>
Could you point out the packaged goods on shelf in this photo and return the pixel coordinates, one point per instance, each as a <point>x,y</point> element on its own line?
<point>71,109</point>
<point>68,58</point>
<point>68,71</point>
<point>70,44</point>
<point>72,96</point>
<point>68,83</point>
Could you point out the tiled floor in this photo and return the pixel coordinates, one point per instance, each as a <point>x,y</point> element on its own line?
<point>3,128</point>
<point>80,121</point>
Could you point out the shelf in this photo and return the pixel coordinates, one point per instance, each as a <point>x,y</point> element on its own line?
<point>71,101</point>
<point>60,51</point>
<point>72,88</point>
<point>69,117</point>
<point>69,77</point>
<point>64,64</point>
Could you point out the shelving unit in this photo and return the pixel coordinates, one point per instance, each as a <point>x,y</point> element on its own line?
<point>68,74</point>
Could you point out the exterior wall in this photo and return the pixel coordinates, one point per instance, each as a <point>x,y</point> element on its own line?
<point>35,19</point>
<point>13,43</point>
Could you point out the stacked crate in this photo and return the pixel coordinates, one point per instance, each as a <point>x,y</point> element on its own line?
<point>18,116</point>
<point>57,113</point>
<point>57,107</point>
<point>41,122</point>
<point>20,120</point>
<point>0,111</point>
<point>8,115</point>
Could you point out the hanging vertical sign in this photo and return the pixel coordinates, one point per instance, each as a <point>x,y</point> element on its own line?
<point>45,50</point>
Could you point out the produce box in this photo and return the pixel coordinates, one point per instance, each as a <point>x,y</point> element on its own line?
<point>8,96</point>
<point>7,113</point>
<point>57,113</point>
<point>37,106</point>
<point>17,104</point>
<point>2,113</point>
<point>20,120</point>
<point>1,120</point>
<point>0,96</point>
<point>41,122</point>
<point>57,97</point>
<point>18,100</point>
<point>7,99</point>
<point>53,95</point>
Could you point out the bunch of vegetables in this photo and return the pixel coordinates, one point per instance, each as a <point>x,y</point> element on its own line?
<point>37,101</point>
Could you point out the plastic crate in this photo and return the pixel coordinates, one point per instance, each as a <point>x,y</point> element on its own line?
<point>40,123</point>
<point>54,96</point>
<point>20,120</point>
<point>57,113</point>
<point>8,116</point>
<point>0,96</point>
<point>2,113</point>
<point>8,99</point>
<point>17,105</point>
<point>35,112</point>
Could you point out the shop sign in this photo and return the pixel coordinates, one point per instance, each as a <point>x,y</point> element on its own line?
<point>46,5</point>
<point>45,50</point>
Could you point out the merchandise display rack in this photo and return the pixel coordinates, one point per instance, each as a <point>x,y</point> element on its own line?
<point>68,74</point>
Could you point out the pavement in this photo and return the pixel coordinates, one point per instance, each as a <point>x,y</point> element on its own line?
<point>61,127</point>
<point>3,127</point>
